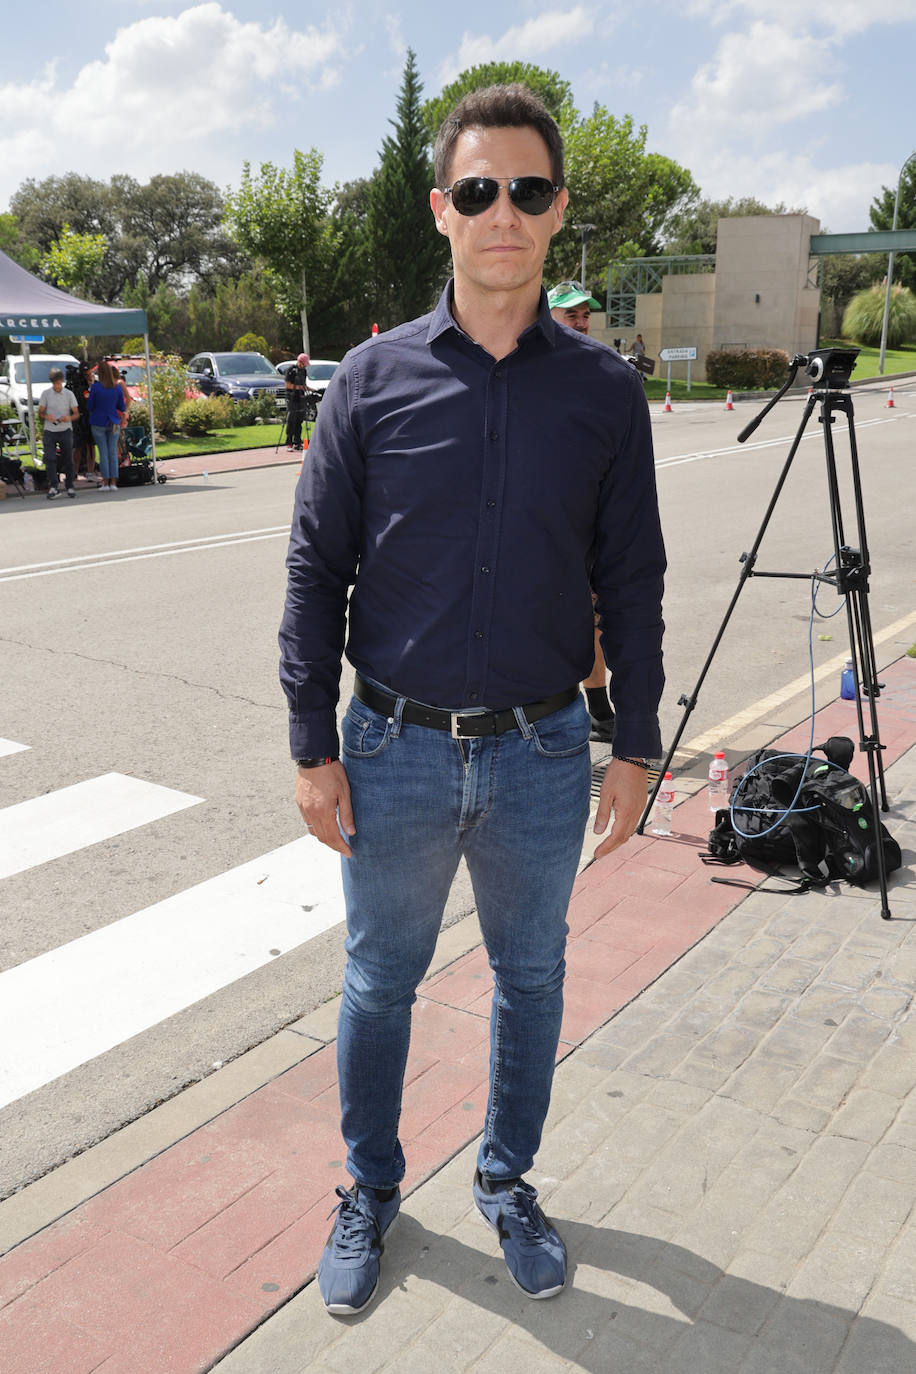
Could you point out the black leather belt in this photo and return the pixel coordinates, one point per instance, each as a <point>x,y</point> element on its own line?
<point>458,724</point>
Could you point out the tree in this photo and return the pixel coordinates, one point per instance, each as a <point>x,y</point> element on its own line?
<point>614,184</point>
<point>14,244</point>
<point>694,228</point>
<point>881,215</point>
<point>73,261</point>
<point>279,218</point>
<point>548,85</point>
<point>407,255</point>
<point>164,232</point>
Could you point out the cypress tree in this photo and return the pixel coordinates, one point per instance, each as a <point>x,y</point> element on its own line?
<point>408,255</point>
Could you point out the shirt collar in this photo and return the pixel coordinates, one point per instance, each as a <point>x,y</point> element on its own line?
<point>443,319</point>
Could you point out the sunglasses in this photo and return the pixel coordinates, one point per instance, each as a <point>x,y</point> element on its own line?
<point>473,195</point>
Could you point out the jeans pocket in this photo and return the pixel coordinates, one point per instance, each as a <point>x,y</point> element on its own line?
<point>364,732</point>
<point>564,734</point>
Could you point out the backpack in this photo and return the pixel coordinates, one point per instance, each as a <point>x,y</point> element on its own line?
<point>791,811</point>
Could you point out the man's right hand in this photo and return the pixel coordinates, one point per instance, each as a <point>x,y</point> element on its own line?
<point>323,797</point>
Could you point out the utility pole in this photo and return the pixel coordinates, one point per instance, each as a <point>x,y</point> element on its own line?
<point>586,230</point>
<point>890,270</point>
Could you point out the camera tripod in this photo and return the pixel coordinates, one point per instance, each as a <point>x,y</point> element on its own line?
<point>307,407</point>
<point>829,369</point>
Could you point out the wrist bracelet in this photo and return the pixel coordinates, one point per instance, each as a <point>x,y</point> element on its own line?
<point>645,764</point>
<point>314,763</point>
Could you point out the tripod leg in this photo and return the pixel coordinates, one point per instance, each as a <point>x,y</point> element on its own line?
<point>747,560</point>
<point>852,573</point>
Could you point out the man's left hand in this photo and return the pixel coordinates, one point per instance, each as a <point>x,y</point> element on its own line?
<point>623,791</point>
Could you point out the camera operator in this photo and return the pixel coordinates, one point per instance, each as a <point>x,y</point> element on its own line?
<point>79,382</point>
<point>296,403</point>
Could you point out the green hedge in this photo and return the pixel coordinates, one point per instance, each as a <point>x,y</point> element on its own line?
<point>748,370</point>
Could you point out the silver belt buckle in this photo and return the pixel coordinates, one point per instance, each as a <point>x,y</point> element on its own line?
<point>455,717</point>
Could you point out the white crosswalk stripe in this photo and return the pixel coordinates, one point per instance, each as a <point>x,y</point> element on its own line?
<point>9,746</point>
<point>64,1007</point>
<point>61,822</point>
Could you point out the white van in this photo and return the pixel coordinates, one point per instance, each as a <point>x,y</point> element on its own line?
<point>13,389</point>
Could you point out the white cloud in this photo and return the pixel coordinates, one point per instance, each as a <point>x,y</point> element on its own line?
<point>537,37</point>
<point>840,18</point>
<point>838,195</point>
<point>757,78</point>
<point>165,85</point>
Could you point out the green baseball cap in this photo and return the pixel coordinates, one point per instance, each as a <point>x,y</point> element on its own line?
<point>569,293</point>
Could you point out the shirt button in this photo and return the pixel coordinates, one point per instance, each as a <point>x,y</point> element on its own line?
<point>473,696</point>
<point>484,570</point>
<point>478,634</point>
<point>494,434</point>
<point>490,505</point>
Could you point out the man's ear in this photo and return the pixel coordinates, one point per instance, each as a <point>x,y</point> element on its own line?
<point>438,204</point>
<point>559,205</point>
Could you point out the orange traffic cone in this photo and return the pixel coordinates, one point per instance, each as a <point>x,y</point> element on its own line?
<point>667,405</point>
<point>890,399</point>
<point>728,402</point>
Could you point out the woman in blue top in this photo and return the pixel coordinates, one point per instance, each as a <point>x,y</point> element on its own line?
<point>106,405</point>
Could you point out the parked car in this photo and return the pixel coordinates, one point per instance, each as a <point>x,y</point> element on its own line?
<point>239,375</point>
<point>13,388</point>
<point>133,374</point>
<point>319,372</point>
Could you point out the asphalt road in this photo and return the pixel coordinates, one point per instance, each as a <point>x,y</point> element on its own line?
<point>138,636</point>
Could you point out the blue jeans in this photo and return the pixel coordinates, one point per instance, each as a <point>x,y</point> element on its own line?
<point>106,441</point>
<point>515,806</point>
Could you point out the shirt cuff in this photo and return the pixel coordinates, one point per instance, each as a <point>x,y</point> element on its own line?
<point>637,737</point>
<point>313,735</point>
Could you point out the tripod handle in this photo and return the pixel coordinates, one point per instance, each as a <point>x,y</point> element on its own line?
<point>795,364</point>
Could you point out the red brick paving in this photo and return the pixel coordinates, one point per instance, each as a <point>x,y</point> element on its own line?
<point>171,1266</point>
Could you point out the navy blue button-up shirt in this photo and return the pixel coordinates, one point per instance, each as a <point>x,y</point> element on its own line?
<point>471,504</point>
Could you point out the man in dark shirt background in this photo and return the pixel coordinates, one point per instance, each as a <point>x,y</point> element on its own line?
<point>296,402</point>
<point>469,473</point>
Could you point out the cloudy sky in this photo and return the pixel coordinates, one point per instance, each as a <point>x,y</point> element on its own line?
<point>811,105</point>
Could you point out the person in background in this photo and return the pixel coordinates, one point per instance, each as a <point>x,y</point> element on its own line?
<point>296,386</point>
<point>58,409</point>
<point>106,405</point>
<point>639,348</point>
<point>123,455</point>
<point>572,306</point>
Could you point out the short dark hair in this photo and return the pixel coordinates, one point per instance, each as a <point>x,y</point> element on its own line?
<point>498,107</point>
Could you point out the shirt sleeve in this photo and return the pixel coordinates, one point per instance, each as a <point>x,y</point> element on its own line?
<point>321,564</point>
<point>628,579</point>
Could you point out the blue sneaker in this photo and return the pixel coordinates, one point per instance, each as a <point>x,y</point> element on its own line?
<point>535,1254</point>
<point>349,1266</point>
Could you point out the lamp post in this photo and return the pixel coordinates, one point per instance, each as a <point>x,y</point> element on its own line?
<point>890,269</point>
<point>585,230</point>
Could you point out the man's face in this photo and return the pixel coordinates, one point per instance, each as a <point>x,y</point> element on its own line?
<point>501,249</point>
<point>58,384</point>
<point>577,317</point>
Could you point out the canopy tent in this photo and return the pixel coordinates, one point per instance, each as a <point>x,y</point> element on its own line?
<point>31,307</point>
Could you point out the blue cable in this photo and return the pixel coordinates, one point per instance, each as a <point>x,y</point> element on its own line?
<point>791,808</point>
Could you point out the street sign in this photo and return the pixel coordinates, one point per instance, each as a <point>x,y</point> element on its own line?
<point>27,338</point>
<point>678,355</point>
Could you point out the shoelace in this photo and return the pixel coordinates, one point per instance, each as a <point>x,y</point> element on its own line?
<point>526,1211</point>
<point>355,1220</point>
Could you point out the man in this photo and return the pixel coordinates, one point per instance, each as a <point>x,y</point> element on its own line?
<point>296,399</point>
<point>434,488</point>
<point>572,306</point>
<point>58,409</point>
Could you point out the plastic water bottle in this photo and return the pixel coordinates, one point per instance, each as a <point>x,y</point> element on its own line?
<point>718,782</point>
<point>848,682</point>
<point>664,807</point>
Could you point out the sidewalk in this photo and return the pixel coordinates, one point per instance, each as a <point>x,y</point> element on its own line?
<point>730,1156</point>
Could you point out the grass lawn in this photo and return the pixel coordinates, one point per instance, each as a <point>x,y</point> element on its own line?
<point>224,441</point>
